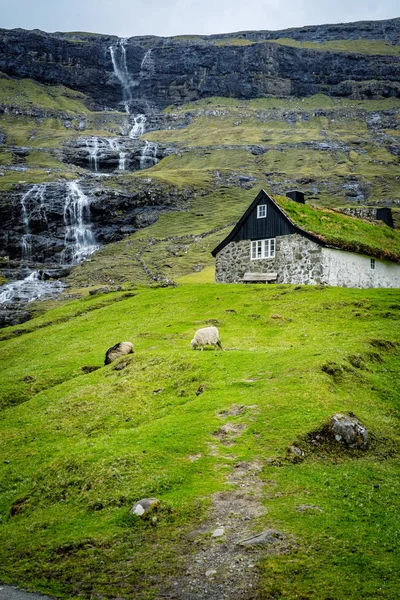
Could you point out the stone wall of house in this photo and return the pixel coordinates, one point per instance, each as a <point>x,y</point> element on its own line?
<point>301,261</point>
<point>297,260</point>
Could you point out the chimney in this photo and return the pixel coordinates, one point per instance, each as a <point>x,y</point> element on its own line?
<point>296,196</point>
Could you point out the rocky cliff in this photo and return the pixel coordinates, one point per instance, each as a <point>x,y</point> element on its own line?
<point>162,71</point>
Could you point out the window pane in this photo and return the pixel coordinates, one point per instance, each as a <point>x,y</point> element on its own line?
<point>261,211</point>
<point>262,249</point>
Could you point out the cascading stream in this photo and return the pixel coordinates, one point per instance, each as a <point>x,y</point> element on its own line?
<point>33,199</point>
<point>118,58</point>
<point>115,146</point>
<point>79,241</point>
<point>35,204</point>
<point>92,145</point>
<point>122,161</point>
<point>149,155</point>
<point>147,61</point>
<point>139,126</point>
<point>32,287</point>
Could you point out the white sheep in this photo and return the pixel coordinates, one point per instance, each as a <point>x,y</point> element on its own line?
<point>120,349</point>
<point>208,336</point>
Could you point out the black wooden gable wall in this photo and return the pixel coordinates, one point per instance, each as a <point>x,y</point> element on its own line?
<point>275,224</point>
<point>271,226</point>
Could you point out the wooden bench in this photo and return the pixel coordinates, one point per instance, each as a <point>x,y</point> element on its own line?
<point>259,277</point>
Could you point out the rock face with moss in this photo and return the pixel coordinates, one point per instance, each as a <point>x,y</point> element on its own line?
<point>35,216</point>
<point>163,71</point>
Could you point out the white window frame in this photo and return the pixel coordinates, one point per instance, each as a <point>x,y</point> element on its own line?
<point>261,211</point>
<point>260,249</point>
<point>373,264</point>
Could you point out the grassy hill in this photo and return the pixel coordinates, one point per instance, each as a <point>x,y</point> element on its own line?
<point>207,433</point>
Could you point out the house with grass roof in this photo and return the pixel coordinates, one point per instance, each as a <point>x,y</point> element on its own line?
<point>283,240</point>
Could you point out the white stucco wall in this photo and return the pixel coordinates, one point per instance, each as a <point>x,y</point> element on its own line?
<point>347,269</point>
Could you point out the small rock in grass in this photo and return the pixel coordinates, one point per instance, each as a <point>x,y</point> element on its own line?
<point>295,454</point>
<point>269,536</point>
<point>308,507</point>
<point>218,532</point>
<point>211,572</point>
<point>144,507</point>
<point>100,290</point>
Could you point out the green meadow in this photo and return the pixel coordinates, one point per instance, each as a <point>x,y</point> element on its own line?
<point>79,446</point>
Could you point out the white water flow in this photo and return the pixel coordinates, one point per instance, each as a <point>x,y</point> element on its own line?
<point>92,146</point>
<point>118,58</point>
<point>79,240</point>
<point>139,126</point>
<point>114,145</point>
<point>31,288</point>
<point>147,62</point>
<point>33,200</point>
<point>149,155</point>
<point>122,161</point>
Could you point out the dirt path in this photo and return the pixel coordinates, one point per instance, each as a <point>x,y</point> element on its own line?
<point>224,565</point>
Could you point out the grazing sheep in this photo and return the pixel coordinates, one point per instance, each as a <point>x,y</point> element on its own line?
<point>117,351</point>
<point>208,336</point>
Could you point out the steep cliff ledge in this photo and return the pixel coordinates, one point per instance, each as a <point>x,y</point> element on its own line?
<point>151,71</point>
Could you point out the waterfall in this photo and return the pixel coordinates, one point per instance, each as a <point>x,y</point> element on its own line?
<point>26,246</point>
<point>26,241</point>
<point>147,62</point>
<point>92,145</point>
<point>149,155</point>
<point>122,161</point>
<point>118,58</point>
<point>139,126</point>
<point>79,241</point>
<point>114,145</point>
<point>33,200</point>
<point>31,288</point>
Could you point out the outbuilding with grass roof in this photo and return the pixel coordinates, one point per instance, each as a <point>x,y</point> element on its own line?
<point>283,240</point>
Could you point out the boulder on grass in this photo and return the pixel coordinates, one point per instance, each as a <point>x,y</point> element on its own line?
<point>349,431</point>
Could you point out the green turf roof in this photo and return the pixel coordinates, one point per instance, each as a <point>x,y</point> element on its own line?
<point>342,231</point>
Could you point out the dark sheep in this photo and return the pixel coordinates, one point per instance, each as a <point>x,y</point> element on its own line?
<point>120,349</point>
